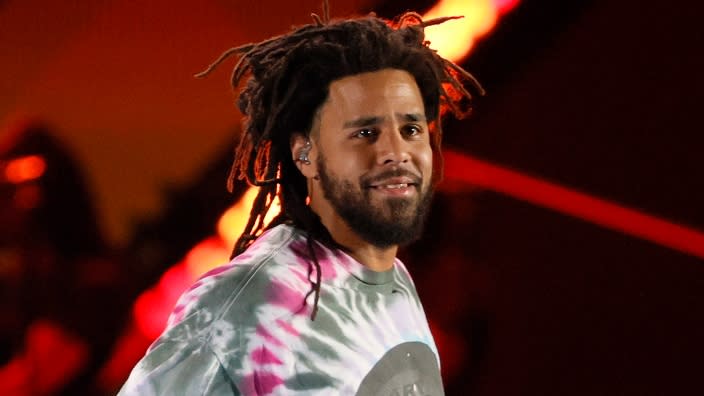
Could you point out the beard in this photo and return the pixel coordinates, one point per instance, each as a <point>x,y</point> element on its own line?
<point>394,221</point>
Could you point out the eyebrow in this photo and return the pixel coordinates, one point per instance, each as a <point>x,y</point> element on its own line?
<point>374,120</point>
<point>414,117</point>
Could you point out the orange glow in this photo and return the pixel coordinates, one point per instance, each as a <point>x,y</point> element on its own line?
<point>598,211</point>
<point>233,221</point>
<point>454,39</point>
<point>205,256</point>
<point>24,169</point>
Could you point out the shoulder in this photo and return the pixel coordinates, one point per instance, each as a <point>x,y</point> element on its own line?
<point>251,283</point>
<point>401,273</point>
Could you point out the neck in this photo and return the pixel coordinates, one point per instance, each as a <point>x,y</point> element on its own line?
<point>369,255</point>
<point>372,257</point>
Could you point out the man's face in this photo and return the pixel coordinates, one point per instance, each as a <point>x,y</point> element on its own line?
<point>371,152</point>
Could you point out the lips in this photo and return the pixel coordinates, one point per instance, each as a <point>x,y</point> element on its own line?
<point>394,183</point>
<point>393,186</point>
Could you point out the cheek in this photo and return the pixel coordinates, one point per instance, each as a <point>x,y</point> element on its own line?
<point>425,161</point>
<point>348,162</point>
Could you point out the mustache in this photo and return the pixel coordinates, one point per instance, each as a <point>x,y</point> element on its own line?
<point>391,173</point>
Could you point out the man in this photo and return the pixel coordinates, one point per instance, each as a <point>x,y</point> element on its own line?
<point>342,124</point>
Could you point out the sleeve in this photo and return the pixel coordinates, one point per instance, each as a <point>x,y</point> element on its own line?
<point>182,361</point>
<point>171,368</point>
<point>200,352</point>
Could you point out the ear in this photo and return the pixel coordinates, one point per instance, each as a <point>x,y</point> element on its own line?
<point>301,147</point>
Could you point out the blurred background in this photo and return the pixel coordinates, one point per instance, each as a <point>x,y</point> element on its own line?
<point>565,252</point>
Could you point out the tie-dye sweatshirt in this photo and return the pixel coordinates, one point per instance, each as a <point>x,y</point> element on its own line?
<point>246,328</point>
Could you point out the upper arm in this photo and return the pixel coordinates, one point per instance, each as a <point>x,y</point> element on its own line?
<point>170,369</point>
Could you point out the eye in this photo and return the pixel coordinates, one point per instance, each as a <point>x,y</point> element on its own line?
<point>365,133</point>
<point>411,130</point>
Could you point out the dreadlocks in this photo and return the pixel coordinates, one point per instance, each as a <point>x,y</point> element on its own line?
<point>288,80</point>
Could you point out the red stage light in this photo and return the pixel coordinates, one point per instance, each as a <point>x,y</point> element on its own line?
<point>24,169</point>
<point>570,202</point>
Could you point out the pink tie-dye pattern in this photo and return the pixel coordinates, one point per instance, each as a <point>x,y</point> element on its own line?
<point>268,337</point>
<point>300,275</point>
<point>263,355</point>
<point>182,307</point>
<point>295,301</point>
<point>288,328</point>
<point>284,296</point>
<point>260,383</point>
<point>177,315</point>
<point>328,270</point>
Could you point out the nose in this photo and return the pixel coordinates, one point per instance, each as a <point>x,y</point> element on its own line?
<point>392,148</point>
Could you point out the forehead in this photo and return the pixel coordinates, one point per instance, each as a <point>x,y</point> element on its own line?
<point>370,93</point>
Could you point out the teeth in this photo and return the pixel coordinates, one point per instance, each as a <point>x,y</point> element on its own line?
<point>403,185</point>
